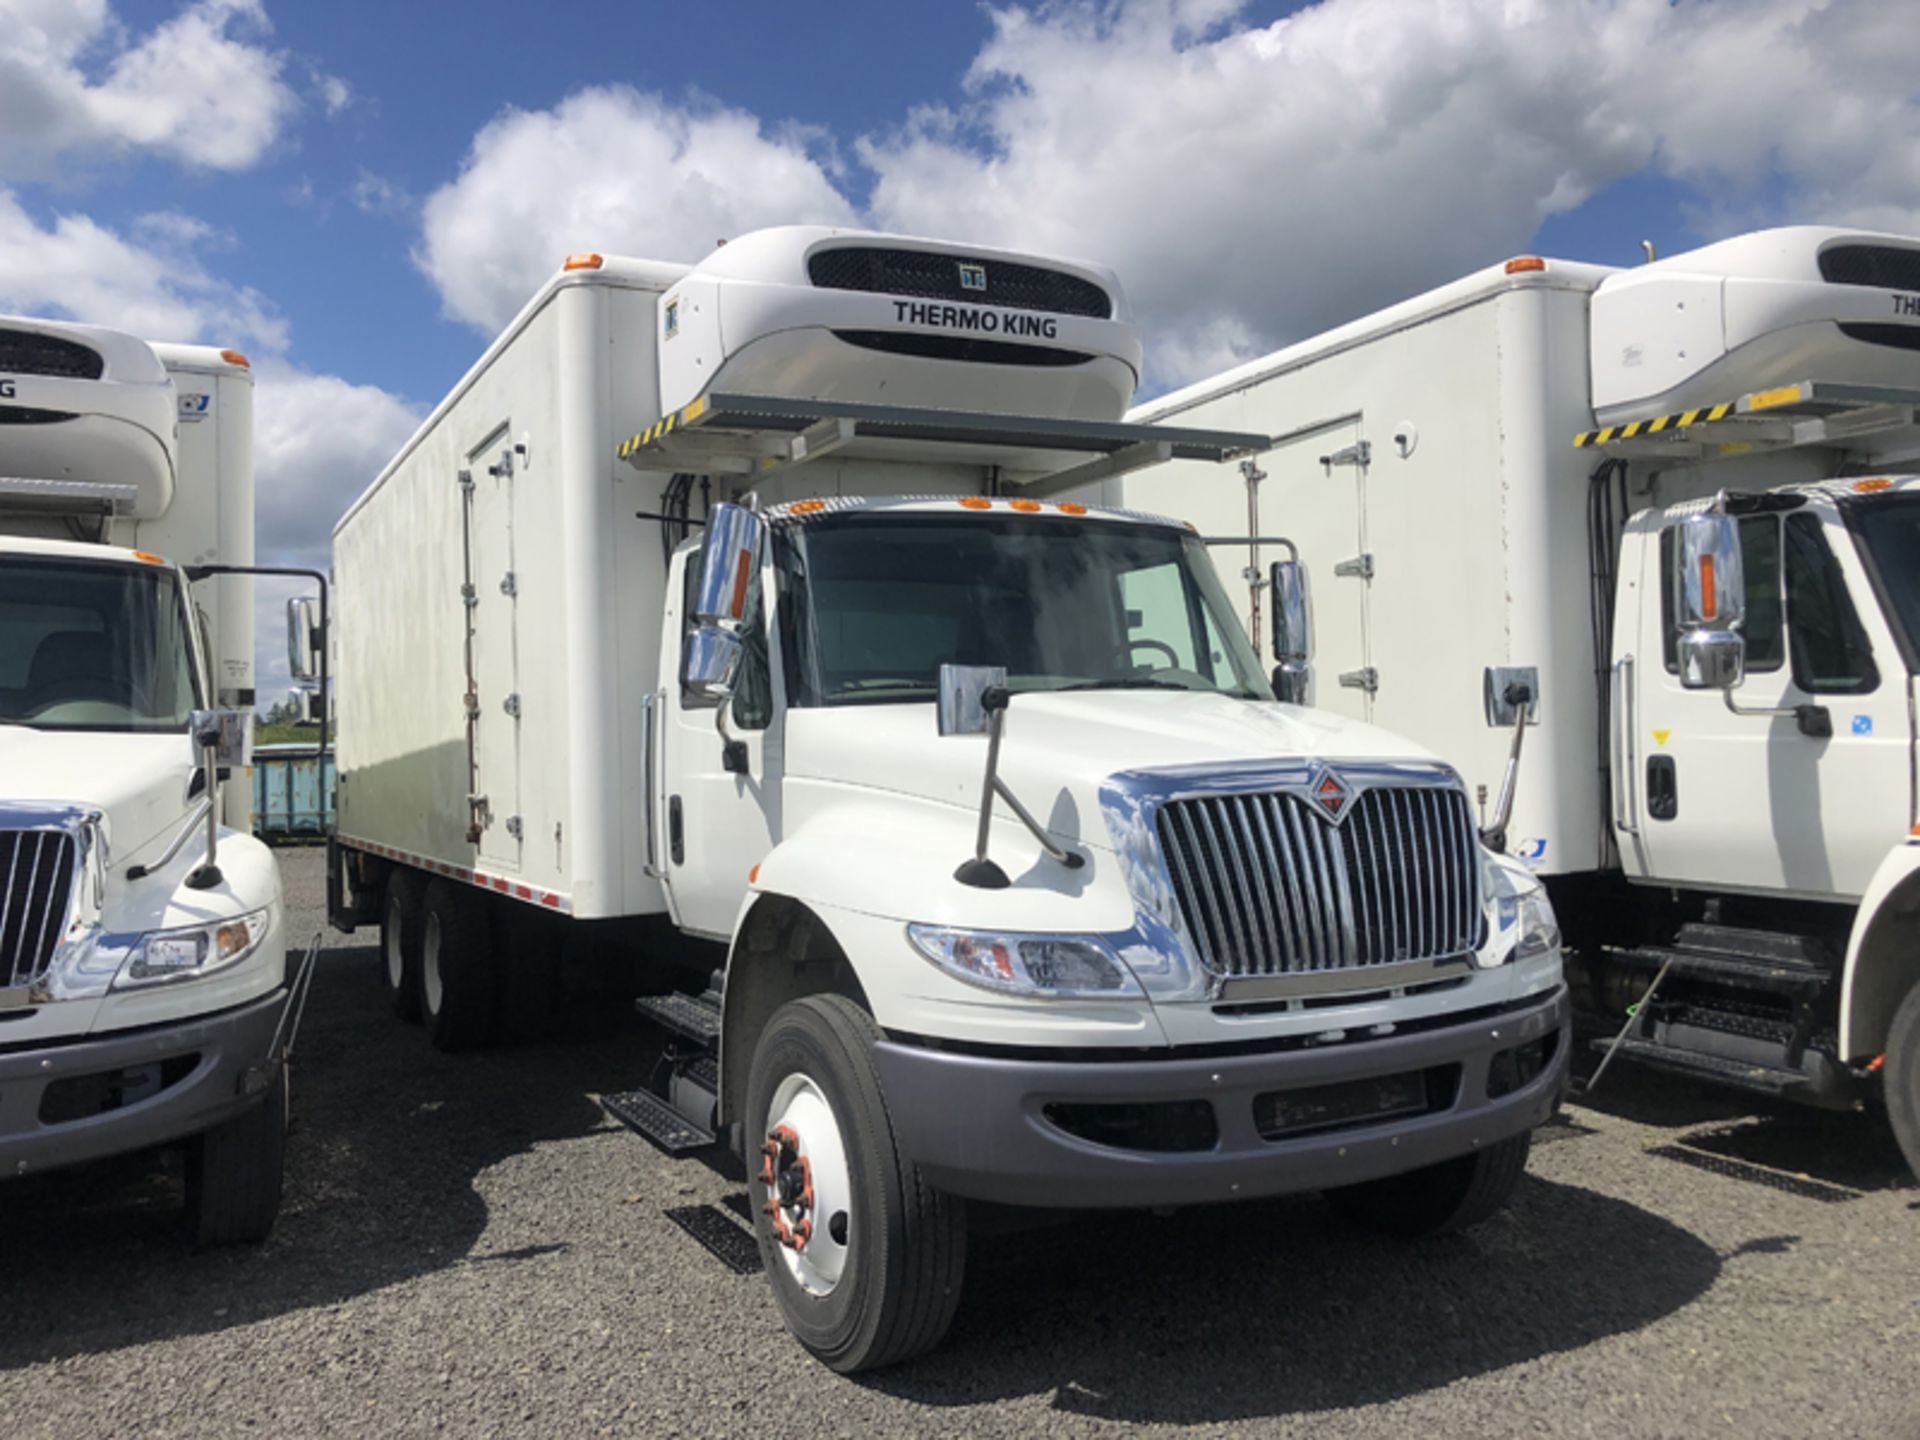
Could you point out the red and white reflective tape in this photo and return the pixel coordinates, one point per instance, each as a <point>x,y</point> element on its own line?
<point>499,884</point>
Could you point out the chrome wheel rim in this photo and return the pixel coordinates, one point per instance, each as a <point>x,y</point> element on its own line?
<point>806,1186</point>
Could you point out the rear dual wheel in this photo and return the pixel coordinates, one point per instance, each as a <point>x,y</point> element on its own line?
<point>456,967</point>
<point>865,1258</point>
<point>402,912</point>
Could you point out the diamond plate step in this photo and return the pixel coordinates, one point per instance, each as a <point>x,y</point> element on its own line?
<point>649,1115</point>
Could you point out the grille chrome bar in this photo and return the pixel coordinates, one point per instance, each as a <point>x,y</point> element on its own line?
<point>39,867</point>
<point>1266,887</point>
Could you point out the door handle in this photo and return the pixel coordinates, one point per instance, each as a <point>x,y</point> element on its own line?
<point>1663,788</point>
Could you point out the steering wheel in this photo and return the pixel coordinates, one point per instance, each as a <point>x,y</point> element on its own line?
<point>1126,647</point>
<point>112,689</point>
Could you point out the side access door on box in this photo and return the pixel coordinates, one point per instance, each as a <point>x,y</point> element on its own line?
<point>490,593</point>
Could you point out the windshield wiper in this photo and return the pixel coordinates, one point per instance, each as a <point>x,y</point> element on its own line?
<point>1136,682</point>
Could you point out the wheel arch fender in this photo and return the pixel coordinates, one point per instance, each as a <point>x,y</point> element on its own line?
<point>1883,955</point>
<point>783,950</point>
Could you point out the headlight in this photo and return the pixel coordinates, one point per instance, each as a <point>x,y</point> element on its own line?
<point>1523,923</point>
<point>189,954</point>
<point>1060,967</point>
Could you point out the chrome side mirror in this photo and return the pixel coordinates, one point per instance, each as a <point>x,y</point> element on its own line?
<point>1292,631</point>
<point>1712,659</point>
<point>962,709</point>
<point>1712,590</point>
<point>729,559</point>
<point>1710,602</point>
<point>710,662</point>
<point>228,734</point>
<point>223,740</point>
<point>304,638</point>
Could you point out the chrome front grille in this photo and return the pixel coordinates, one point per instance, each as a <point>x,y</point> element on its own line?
<point>1268,887</point>
<point>38,870</point>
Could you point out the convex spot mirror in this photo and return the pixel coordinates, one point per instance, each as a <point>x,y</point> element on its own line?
<point>729,559</point>
<point>1710,602</point>
<point>963,690</point>
<point>1292,631</point>
<point>228,733</point>
<point>304,638</point>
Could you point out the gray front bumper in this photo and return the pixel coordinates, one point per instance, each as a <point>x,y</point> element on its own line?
<point>976,1127</point>
<point>227,1046</point>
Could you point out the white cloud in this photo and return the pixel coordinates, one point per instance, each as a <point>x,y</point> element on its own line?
<point>377,195</point>
<point>1254,185</point>
<point>609,169</point>
<point>199,88</point>
<point>150,281</point>
<point>318,441</point>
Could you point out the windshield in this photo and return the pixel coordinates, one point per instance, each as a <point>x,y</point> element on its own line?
<point>882,602</point>
<point>92,646</point>
<point>1889,531</point>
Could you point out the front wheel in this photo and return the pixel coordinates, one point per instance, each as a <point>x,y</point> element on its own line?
<point>1900,1072</point>
<point>1439,1199</point>
<point>234,1172</point>
<point>865,1258</point>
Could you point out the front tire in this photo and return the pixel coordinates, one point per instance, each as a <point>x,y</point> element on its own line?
<point>1900,1073</point>
<point>1438,1199</point>
<point>234,1172</point>
<point>456,968</point>
<point>401,916</point>
<point>865,1258</point>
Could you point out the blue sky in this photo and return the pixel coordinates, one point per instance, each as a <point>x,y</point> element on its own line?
<point>358,194</point>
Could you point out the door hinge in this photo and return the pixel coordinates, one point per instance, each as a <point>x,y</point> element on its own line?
<point>507,585</point>
<point>502,469</point>
<point>1359,453</point>
<point>513,826</point>
<point>1360,566</point>
<point>1367,679</point>
<point>479,816</point>
<point>473,705</point>
<point>466,479</point>
<point>469,597</point>
<point>512,705</point>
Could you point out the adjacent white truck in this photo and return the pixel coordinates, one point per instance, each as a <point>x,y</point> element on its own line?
<point>144,992</point>
<point>1509,486</point>
<point>725,617</point>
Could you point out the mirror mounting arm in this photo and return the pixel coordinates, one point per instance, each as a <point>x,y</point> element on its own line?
<point>206,874</point>
<point>733,752</point>
<point>980,872</point>
<point>1814,720</point>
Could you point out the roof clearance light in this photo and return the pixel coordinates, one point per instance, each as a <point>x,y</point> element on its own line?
<point>806,507</point>
<point>1522,264</point>
<point>976,502</point>
<point>1868,487</point>
<point>1026,507</point>
<point>585,260</point>
<point>1067,507</point>
<point>149,557</point>
<point>234,357</point>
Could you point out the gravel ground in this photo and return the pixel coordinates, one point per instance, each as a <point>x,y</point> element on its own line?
<point>467,1246</point>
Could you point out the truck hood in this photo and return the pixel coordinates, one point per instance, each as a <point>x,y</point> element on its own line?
<point>1059,748</point>
<point>139,782</point>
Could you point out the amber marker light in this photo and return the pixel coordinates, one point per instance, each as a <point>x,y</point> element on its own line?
<point>234,357</point>
<point>1709,597</point>
<point>1869,487</point>
<point>1523,264</point>
<point>1070,508</point>
<point>585,260</point>
<point>976,502</point>
<point>149,558</point>
<point>1026,507</point>
<point>806,507</point>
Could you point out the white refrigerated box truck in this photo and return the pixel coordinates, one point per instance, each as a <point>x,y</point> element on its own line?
<point>144,991</point>
<point>697,623</point>
<point>1491,486</point>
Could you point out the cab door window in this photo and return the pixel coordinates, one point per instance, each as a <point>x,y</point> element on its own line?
<point>1831,654</point>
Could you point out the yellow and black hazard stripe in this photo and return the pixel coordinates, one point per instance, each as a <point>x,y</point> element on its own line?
<point>1589,438</point>
<point>662,428</point>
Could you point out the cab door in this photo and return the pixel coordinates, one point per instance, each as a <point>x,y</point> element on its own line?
<point>1726,800</point>
<point>717,824</point>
